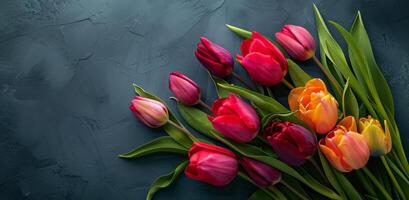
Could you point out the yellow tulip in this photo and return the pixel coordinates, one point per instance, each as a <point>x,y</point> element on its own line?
<point>379,141</point>
<point>315,105</point>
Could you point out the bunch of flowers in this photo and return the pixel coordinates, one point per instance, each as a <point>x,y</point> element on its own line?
<point>317,148</point>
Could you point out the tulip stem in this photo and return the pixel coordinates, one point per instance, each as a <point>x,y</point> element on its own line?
<point>376,183</point>
<point>184,130</point>
<point>239,78</point>
<point>287,84</point>
<point>205,105</point>
<point>293,190</point>
<point>326,72</point>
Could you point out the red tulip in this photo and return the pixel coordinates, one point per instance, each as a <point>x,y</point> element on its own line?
<point>215,58</point>
<point>235,119</point>
<point>151,112</point>
<point>297,41</point>
<point>262,60</point>
<point>293,143</point>
<point>184,88</point>
<point>262,174</point>
<point>211,164</point>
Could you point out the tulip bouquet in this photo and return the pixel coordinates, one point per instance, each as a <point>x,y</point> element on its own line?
<point>337,139</point>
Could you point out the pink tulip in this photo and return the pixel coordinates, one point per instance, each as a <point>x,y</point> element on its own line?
<point>235,119</point>
<point>184,88</point>
<point>215,58</point>
<point>297,41</point>
<point>151,112</point>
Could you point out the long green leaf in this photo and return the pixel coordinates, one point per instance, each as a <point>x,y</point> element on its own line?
<point>361,37</point>
<point>165,180</point>
<point>297,74</point>
<point>221,93</point>
<point>349,104</point>
<point>160,144</point>
<point>329,173</point>
<point>176,134</point>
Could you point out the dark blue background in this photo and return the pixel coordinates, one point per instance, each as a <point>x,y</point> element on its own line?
<point>66,69</point>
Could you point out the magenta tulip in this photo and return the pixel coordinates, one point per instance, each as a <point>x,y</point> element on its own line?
<point>235,119</point>
<point>151,112</point>
<point>293,143</point>
<point>262,174</point>
<point>184,88</point>
<point>297,41</point>
<point>262,60</point>
<point>211,164</point>
<point>215,58</point>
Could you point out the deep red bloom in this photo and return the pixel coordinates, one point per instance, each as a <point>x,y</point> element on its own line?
<point>211,164</point>
<point>297,41</point>
<point>262,174</point>
<point>293,143</point>
<point>215,58</point>
<point>184,88</point>
<point>262,60</point>
<point>235,119</point>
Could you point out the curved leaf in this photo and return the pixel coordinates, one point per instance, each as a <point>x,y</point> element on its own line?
<point>165,180</point>
<point>297,74</point>
<point>173,132</point>
<point>161,144</point>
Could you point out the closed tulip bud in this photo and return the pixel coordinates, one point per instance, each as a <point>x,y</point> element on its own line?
<point>345,150</point>
<point>151,112</point>
<point>235,119</point>
<point>215,58</point>
<point>315,105</point>
<point>262,174</point>
<point>262,60</point>
<point>211,164</point>
<point>379,141</point>
<point>349,123</point>
<point>184,88</point>
<point>293,143</point>
<point>297,41</point>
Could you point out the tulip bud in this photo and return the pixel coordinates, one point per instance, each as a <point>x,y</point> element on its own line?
<point>315,105</point>
<point>293,143</point>
<point>235,119</point>
<point>262,60</point>
<point>345,150</point>
<point>151,112</point>
<point>215,58</point>
<point>184,88</point>
<point>211,164</point>
<point>379,141</point>
<point>262,174</point>
<point>297,41</point>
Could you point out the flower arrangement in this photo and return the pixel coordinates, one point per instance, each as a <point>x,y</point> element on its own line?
<point>328,144</point>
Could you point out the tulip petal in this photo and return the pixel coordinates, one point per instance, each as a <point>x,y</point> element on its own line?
<point>274,51</point>
<point>325,115</point>
<point>302,36</point>
<point>334,159</point>
<point>293,47</point>
<point>233,127</point>
<point>263,69</point>
<point>354,150</point>
<point>245,46</point>
<point>388,141</point>
<point>349,123</point>
<point>293,98</point>
<point>244,111</point>
<point>375,137</point>
<point>303,139</point>
<point>258,46</point>
<point>287,152</point>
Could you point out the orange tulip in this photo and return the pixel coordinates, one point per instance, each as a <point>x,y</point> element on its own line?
<point>345,150</point>
<point>315,105</point>
<point>349,123</point>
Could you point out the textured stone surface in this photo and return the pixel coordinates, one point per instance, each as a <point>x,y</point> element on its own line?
<point>66,69</point>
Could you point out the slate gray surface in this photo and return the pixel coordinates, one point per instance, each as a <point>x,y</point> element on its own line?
<point>66,69</point>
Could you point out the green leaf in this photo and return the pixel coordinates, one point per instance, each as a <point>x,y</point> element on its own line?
<point>329,173</point>
<point>260,194</point>
<point>307,180</point>
<point>176,134</point>
<point>350,105</point>
<point>165,180</point>
<point>297,74</point>
<point>349,189</point>
<point>361,37</point>
<point>160,144</point>
<point>239,31</point>
<point>221,93</point>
